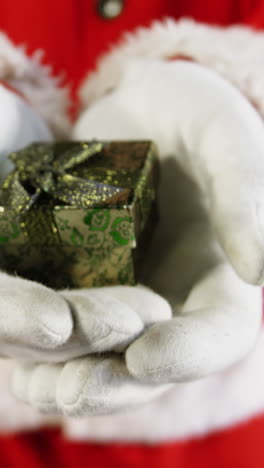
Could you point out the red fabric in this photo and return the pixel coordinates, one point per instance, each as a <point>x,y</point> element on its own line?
<point>240,447</point>
<point>74,35</point>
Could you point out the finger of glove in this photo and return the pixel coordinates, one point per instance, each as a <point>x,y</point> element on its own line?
<point>102,323</point>
<point>233,181</point>
<point>35,384</point>
<point>84,386</point>
<point>100,386</point>
<point>218,326</point>
<point>230,175</point>
<point>149,306</point>
<point>240,224</point>
<point>32,317</point>
<point>109,319</point>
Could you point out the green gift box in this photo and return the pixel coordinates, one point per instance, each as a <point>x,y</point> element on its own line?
<point>79,214</point>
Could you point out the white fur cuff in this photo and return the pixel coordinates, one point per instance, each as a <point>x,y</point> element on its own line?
<point>237,53</point>
<point>34,81</point>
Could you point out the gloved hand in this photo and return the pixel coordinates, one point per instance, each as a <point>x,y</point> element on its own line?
<point>20,125</point>
<point>206,257</point>
<point>38,324</point>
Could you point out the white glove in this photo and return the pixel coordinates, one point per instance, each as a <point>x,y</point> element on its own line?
<point>20,125</point>
<point>209,242</point>
<point>38,324</point>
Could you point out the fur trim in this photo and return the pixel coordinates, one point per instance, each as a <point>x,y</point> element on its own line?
<point>36,83</point>
<point>237,53</point>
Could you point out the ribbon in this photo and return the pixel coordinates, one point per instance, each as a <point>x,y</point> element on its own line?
<point>42,168</point>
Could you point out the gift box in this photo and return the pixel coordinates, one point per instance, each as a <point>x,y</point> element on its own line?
<point>79,214</point>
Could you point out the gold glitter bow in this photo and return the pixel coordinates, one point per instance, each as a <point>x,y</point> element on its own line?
<point>42,168</point>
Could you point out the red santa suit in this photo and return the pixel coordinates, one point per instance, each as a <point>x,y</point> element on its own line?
<point>213,425</point>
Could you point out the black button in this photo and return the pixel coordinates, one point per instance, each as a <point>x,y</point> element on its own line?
<point>110,9</point>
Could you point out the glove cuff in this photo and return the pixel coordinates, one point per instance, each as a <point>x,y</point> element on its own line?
<point>235,52</point>
<point>29,78</point>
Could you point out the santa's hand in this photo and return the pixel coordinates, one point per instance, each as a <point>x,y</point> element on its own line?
<point>210,240</point>
<point>211,142</point>
<point>185,347</point>
<point>24,321</point>
<point>103,319</point>
<point>42,325</point>
<point>39,324</point>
